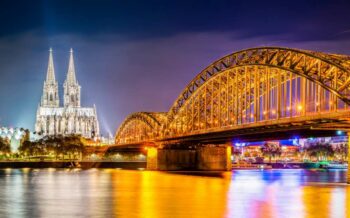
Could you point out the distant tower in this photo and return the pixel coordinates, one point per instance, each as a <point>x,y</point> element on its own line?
<point>71,86</point>
<point>50,90</point>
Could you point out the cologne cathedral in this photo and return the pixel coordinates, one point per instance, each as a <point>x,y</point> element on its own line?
<point>71,118</point>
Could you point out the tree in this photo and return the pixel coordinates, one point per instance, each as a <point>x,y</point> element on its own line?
<point>341,151</point>
<point>321,151</point>
<point>58,145</point>
<point>5,146</point>
<point>271,150</point>
<point>236,153</point>
<point>73,145</point>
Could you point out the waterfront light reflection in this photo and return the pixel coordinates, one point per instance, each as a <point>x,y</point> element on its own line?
<point>120,193</point>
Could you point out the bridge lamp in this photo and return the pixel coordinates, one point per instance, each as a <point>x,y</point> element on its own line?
<point>288,108</point>
<point>339,132</point>
<point>300,107</point>
<point>273,111</point>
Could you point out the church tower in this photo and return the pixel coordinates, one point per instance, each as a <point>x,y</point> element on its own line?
<point>50,96</point>
<point>71,86</point>
<point>53,119</point>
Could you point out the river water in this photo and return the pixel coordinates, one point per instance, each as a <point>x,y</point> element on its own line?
<point>121,193</point>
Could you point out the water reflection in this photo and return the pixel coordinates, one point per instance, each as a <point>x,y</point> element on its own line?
<point>119,193</point>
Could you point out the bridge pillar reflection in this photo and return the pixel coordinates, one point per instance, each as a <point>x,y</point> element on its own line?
<point>204,157</point>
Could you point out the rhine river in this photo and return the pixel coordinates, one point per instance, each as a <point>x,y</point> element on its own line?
<point>121,193</point>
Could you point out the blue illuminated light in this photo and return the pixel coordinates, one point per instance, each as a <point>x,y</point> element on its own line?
<point>240,144</point>
<point>339,132</point>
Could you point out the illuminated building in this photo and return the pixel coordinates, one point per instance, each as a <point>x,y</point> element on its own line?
<point>52,119</point>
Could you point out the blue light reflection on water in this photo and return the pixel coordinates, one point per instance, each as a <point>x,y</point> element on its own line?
<point>110,193</point>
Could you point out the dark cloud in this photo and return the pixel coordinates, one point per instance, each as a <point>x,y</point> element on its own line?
<point>299,19</point>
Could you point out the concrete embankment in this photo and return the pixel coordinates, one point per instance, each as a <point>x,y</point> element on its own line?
<point>69,164</point>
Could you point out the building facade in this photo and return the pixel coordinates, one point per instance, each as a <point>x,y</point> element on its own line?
<point>71,118</point>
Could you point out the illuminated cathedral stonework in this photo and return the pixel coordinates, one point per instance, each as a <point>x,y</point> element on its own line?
<point>52,119</point>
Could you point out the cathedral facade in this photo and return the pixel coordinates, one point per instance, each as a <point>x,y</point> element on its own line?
<point>70,118</point>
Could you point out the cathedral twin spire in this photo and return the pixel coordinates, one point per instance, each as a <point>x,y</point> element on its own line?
<point>50,77</point>
<point>71,69</point>
<point>71,87</point>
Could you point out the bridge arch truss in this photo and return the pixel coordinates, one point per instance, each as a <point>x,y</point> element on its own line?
<point>139,127</point>
<point>261,84</point>
<point>246,88</point>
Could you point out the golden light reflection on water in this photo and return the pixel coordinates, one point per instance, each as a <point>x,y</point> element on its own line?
<point>158,194</point>
<point>120,193</point>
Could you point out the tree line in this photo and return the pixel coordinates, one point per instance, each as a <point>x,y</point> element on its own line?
<point>319,151</point>
<point>59,147</point>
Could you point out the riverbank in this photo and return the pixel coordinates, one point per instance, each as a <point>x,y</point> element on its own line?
<point>138,165</point>
<point>308,165</point>
<point>69,164</point>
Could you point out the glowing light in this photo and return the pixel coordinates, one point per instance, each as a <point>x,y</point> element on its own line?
<point>240,144</point>
<point>51,169</point>
<point>299,107</point>
<point>25,170</point>
<point>339,132</point>
<point>152,153</point>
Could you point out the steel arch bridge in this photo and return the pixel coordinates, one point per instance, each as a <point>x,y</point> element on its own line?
<point>252,91</point>
<point>140,127</point>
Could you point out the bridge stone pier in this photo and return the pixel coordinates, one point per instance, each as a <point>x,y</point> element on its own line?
<point>207,157</point>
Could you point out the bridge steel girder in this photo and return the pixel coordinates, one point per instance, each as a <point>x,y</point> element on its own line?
<point>139,127</point>
<point>260,84</point>
<point>318,67</point>
<point>248,88</point>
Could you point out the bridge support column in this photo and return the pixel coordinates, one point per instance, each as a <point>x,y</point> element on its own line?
<point>348,178</point>
<point>214,158</point>
<point>152,158</point>
<point>176,159</point>
<point>208,157</point>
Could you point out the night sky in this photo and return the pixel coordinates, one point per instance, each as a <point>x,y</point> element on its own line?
<point>138,55</point>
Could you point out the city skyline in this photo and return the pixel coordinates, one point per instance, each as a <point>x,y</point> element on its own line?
<point>125,67</point>
<point>186,108</point>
